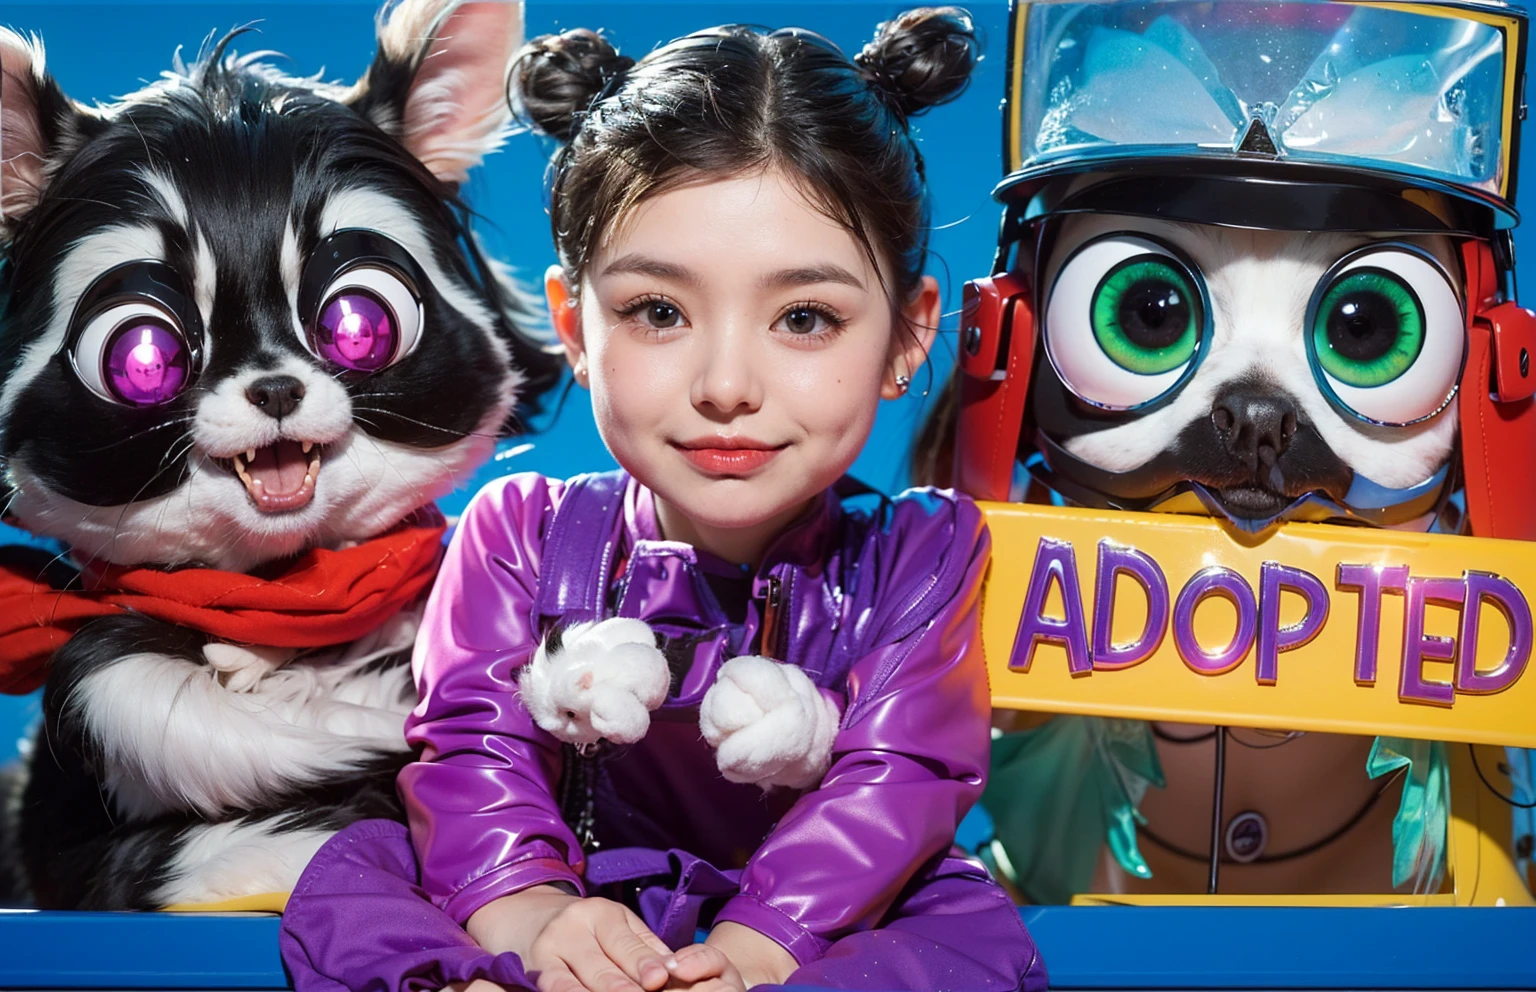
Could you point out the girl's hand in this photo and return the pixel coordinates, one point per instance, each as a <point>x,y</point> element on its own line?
<point>571,944</point>
<point>736,956</point>
<point>701,968</point>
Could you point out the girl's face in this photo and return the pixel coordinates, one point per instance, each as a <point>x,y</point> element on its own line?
<point>736,342</point>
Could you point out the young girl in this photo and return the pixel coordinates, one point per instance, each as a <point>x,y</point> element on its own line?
<point>741,228</point>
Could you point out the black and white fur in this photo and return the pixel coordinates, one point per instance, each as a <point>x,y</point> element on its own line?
<point>1251,424</point>
<point>172,769</point>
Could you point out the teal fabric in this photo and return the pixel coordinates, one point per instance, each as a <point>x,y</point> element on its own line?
<point>1058,791</point>
<point>1419,828</point>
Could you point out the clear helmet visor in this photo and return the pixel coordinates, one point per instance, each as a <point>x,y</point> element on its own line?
<point>1417,90</point>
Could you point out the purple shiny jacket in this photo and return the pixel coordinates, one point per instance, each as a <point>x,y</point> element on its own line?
<point>879,606</point>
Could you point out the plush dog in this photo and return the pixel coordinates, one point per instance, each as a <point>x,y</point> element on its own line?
<point>1247,426</point>
<point>248,339</point>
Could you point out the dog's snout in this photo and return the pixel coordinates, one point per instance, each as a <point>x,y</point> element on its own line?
<point>1256,426</point>
<point>275,395</point>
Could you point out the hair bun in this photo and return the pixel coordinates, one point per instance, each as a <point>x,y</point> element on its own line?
<point>922,58</point>
<point>556,77</point>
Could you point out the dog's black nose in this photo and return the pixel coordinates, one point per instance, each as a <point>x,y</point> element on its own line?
<point>1256,426</point>
<point>275,395</point>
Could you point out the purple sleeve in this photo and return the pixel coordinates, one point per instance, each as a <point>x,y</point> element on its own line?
<point>357,923</point>
<point>481,800</point>
<point>910,759</point>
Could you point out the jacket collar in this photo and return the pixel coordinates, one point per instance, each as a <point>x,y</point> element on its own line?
<point>804,544</point>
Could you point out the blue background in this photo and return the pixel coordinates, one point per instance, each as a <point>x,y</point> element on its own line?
<point>100,50</point>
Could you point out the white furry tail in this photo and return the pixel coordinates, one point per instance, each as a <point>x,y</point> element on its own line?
<point>596,681</point>
<point>769,724</point>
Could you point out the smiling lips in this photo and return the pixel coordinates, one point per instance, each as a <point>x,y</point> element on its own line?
<point>280,477</point>
<point>728,456</point>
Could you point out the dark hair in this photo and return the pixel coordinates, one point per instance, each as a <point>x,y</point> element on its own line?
<point>735,98</point>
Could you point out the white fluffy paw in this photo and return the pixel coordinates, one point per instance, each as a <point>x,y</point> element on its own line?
<point>768,723</point>
<point>600,683</point>
<point>241,667</point>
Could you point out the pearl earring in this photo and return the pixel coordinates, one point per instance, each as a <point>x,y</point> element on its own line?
<point>902,382</point>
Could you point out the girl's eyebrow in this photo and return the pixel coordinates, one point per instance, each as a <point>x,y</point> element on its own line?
<point>811,274</point>
<point>644,265</point>
<point>808,275</point>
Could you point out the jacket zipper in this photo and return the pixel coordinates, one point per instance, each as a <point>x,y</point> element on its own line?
<point>772,598</point>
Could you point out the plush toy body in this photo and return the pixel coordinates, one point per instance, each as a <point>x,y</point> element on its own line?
<point>248,340</point>
<point>1255,265</point>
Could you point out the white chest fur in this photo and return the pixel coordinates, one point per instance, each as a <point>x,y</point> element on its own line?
<point>175,734</point>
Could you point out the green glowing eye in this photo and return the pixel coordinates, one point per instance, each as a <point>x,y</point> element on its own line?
<point>1146,315</point>
<point>1369,328</point>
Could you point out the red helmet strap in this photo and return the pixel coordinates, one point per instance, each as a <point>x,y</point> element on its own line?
<point>997,349</point>
<point>1495,405</point>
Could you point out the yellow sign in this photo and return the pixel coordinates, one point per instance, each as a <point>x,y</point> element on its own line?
<point>1309,627</point>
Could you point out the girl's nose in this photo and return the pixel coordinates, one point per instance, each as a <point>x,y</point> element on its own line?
<point>728,381</point>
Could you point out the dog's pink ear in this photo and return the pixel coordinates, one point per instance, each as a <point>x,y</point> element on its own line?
<point>37,123</point>
<point>23,149</point>
<point>439,81</point>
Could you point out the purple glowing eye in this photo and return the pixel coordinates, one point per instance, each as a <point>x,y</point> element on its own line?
<point>146,364</point>
<point>369,320</point>
<point>134,356</point>
<point>356,331</point>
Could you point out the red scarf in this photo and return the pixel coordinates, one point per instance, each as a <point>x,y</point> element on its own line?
<point>323,597</point>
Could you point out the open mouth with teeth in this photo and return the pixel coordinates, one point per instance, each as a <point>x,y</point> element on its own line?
<point>280,477</point>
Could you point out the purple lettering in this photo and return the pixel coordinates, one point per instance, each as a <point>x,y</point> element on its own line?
<point>1507,598</point>
<point>1115,560</point>
<point>1370,581</point>
<point>1214,580</point>
<point>1055,561</point>
<point>1418,647</point>
<point>1274,578</point>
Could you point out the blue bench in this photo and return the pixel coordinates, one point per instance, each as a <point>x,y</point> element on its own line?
<point>1102,948</point>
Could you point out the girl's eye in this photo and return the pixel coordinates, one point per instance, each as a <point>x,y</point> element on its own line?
<point>1386,333</point>
<point>802,321</point>
<point>368,320</point>
<point>134,354</point>
<point>1124,323</point>
<point>662,315</point>
<point>808,321</point>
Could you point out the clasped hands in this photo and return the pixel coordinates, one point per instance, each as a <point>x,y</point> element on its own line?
<point>572,944</point>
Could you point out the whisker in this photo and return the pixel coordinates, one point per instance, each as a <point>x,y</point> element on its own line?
<point>138,434</point>
<point>421,423</point>
<point>117,528</point>
<point>185,444</point>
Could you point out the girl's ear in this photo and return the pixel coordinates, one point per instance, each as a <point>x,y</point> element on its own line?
<point>912,339</point>
<point>439,80</point>
<point>565,315</point>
